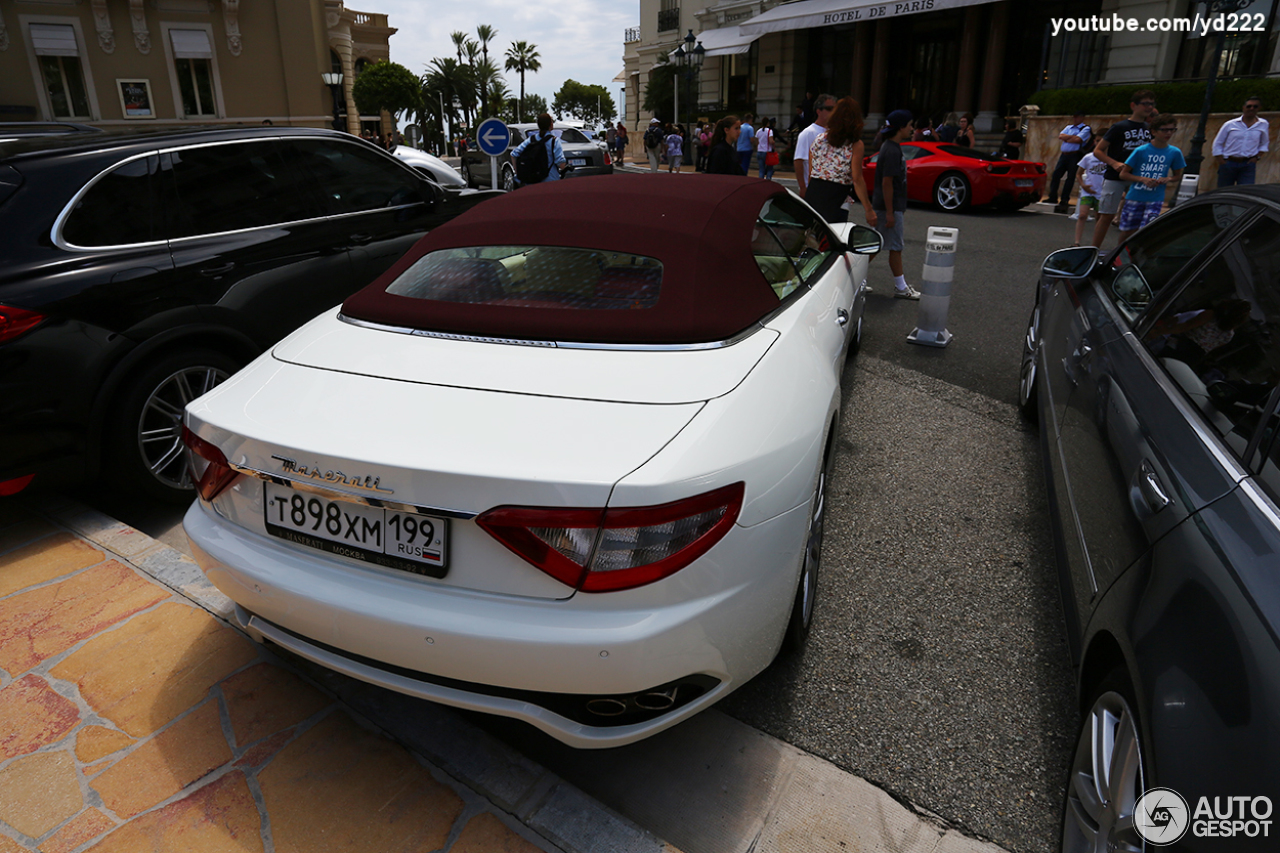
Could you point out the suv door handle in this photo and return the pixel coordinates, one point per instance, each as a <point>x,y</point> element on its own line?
<point>213,271</point>
<point>360,239</point>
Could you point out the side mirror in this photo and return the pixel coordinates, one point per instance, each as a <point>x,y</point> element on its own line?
<point>858,239</point>
<point>1076,262</point>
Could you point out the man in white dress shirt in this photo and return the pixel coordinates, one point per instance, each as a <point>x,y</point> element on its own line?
<point>1239,144</point>
<point>1074,142</point>
<point>823,106</point>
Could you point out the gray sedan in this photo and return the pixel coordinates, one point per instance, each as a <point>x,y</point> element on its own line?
<point>1155,378</point>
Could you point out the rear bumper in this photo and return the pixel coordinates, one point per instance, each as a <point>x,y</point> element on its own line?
<point>498,653</point>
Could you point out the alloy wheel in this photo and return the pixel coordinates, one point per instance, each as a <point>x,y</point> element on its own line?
<point>508,179</point>
<point>160,424</point>
<point>952,192</point>
<point>1106,781</point>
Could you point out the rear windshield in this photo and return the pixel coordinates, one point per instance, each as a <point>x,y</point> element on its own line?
<point>533,277</point>
<point>568,134</point>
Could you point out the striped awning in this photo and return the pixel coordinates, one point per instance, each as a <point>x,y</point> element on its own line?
<point>191,44</point>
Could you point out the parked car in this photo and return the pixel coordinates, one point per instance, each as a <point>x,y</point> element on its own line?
<point>584,157</point>
<point>430,165</point>
<point>574,475</point>
<point>10,130</point>
<point>142,269</point>
<point>1155,379</point>
<point>953,177</point>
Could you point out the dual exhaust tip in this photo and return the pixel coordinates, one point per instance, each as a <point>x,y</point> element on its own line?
<point>651,701</point>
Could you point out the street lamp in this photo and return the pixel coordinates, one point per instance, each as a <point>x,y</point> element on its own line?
<point>689,59</point>
<point>1195,157</point>
<point>333,79</point>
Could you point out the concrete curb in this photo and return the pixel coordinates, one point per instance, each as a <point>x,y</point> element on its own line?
<point>543,803</point>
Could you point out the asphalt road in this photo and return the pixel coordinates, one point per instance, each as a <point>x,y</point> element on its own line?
<point>938,667</point>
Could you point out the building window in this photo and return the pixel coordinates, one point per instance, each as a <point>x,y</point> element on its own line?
<point>193,61</point>
<point>669,16</point>
<point>58,56</point>
<point>1075,59</point>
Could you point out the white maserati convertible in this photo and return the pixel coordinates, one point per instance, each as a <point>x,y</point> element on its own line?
<point>564,462</point>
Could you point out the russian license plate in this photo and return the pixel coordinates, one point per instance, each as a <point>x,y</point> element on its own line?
<point>1023,182</point>
<point>577,161</point>
<point>409,541</point>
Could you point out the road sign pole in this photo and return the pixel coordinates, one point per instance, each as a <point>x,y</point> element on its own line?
<point>493,171</point>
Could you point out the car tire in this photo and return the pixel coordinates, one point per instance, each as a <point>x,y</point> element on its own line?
<point>465,171</point>
<point>801,621</point>
<point>508,179</point>
<point>855,343</point>
<point>952,192</point>
<point>145,452</point>
<point>1028,374</point>
<point>1107,776</point>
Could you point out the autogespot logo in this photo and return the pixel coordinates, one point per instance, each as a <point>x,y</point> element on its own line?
<point>1161,816</point>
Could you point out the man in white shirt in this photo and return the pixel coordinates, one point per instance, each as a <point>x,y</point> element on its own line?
<point>823,106</point>
<point>1074,141</point>
<point>1239,144</point>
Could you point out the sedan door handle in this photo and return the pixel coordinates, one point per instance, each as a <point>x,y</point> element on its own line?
<point>210,272</point>
<point>842,317</point>
<point>1152,490</point>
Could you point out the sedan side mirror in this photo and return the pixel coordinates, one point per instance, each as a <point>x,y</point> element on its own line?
<point>1075,262</point>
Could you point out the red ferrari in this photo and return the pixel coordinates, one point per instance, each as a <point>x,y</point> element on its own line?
<point>954,177</point>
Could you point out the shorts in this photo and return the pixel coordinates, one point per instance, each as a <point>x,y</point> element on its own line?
<point>893,240</point>
<point>1088,201</point>
<point>1136,214</point>
<point>1111,197</point>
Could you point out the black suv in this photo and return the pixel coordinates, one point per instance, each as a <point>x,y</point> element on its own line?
<point>140,270</point>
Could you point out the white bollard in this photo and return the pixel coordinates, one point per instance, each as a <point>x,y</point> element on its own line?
<point>1187,189</point>
<point>935,288</point>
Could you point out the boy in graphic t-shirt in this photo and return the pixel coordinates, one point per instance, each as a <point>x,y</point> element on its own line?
<point>1089,176</point>
<point>1148,170</point>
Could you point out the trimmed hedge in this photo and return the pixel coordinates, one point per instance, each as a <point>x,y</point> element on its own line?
<point>1228,96</point>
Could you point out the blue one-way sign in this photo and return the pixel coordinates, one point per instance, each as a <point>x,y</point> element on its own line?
<point>493,136</point>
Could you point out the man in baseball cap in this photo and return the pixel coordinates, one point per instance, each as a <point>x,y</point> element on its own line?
<point>889,196</point>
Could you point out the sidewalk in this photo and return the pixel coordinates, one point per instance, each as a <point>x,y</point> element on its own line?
<point>132,717</point>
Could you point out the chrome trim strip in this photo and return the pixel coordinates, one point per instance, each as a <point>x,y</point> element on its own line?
<point>327,491</point>
<point>1261,500</point>
<point>422,333</point>
<point>56,234</point>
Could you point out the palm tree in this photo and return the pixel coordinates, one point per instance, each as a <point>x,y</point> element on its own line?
<point>459,39</point>
<point>486,34</point>
<point>522,57</point>
<point>489,80</point>
<point>452,80</point>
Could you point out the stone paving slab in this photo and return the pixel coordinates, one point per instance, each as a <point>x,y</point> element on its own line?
<point>134,717</point>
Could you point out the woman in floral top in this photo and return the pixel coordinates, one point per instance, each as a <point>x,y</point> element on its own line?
<point>835,165</point>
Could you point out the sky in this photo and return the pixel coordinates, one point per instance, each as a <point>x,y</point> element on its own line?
<point>576,39</point>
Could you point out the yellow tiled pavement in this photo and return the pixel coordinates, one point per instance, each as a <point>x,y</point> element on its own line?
<point>131,719</point>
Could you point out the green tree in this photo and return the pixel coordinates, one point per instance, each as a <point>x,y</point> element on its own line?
<point>523,57</point>
<point>591,104</point>
<point>659,96</point>
<point>534,106</point>
<point>386,86</point>
<point>459,38</point>
<point>451,81</point>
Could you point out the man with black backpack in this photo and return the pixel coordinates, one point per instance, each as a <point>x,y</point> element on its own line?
<point>653,141</point>
<point>540,157</point>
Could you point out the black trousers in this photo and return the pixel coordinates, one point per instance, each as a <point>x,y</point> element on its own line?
<point>1068,161</point>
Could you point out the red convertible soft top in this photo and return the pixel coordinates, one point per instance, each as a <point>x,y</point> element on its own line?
<point>698,226</point>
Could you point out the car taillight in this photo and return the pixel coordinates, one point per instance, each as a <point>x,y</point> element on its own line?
<point>209,467</point>
<point>17,321</point>
<point>17,484</point>
<point>602,550</point>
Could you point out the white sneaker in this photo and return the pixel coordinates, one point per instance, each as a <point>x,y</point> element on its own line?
<point>1074,216</point>
<point>909,293</point>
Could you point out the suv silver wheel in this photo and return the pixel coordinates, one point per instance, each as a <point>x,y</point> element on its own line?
<point>508,179</point>
<point>1106,780</point>
<point>160,424</point>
